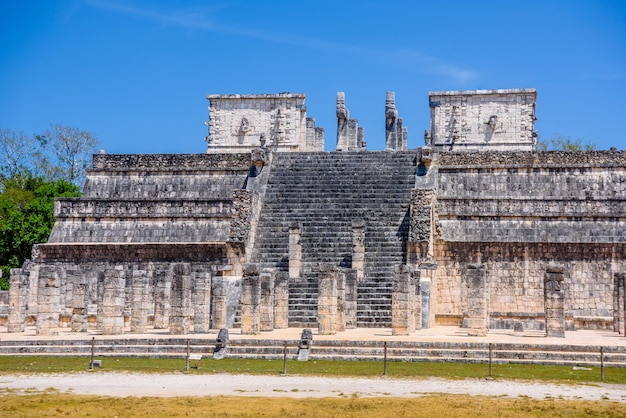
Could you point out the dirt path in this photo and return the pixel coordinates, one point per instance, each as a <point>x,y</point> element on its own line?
<point>169,385</point>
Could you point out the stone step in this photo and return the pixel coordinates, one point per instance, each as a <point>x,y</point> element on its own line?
<point>329,350</point>
<point>324,193</point>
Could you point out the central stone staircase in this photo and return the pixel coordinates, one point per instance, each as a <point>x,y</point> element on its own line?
<point>323,193</point>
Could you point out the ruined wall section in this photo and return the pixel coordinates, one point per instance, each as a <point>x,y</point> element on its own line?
<point>518,212</point>
<point>483,119</point>
<point>560,197</point>
<point>157,198</point>
<point>141,218</point>
<point>515,271</point>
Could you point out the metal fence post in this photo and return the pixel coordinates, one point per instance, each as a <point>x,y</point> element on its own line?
<point>187,362</point>
<point>93,339</point>
<point>602,364</point>
<point>385,359</point>
<point>285,358</point>
<point>490,361</point>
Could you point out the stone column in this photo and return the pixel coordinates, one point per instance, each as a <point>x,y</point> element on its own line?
<point>18,300</point>
<point>422,314</point>
<point>281,300</point>
<point>295,252</point>
<point>340,319</point>
<point>350,298</point>
<point>618,302</point>
<point>343,115</point>
<point>327,299</point>
<point>403,301</point>
<point>48,298</point>
<point>162,293</point>
<point>128,292</point>
<point>100,279</point>
<point>250,295</point>
<point>266,300</point>
<point>477,302</point>
<point>554,299</point>
<point>360,138</point>
<point>358,247</point>
<point>202,302</point>
<point>77,302</point>
<point>113,296</point>
<point>219,300</point>
<point>391,117</point>
<point>139,298</point>
<point>180,309</point>
<point>352,137</point>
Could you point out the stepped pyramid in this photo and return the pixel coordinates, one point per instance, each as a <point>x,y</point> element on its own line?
<point>474,229</point>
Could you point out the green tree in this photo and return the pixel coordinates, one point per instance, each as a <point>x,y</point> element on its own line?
<point>561,143</point>
<point>27,217</point>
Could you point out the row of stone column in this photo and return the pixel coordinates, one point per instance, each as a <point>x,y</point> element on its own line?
<point>264,299</point>
<point>406,302</point>
<point>406,312</point>
<point>337,299</point>
<point>179,296</point>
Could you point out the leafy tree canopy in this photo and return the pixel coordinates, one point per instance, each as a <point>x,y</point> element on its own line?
<point>59,153</point>
<point>27,217</point>
<point>561,143</point>
<point>34,169</point>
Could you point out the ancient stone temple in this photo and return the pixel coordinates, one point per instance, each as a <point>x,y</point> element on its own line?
<point>472,228</point>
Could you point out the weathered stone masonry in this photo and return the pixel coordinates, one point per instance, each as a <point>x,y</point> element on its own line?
<point>265,231</point>
<point>519,212</point>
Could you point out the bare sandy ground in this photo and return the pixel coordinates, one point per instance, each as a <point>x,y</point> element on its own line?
<point>171,385</point>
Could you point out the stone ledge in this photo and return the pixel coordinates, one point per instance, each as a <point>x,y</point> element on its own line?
<point>467,161</point>
<point>215,252</point>
<point>149,208</point>
<point>481,92</point>
<point>148,162</point>
<point>531,207</point>
<point>256,96</point>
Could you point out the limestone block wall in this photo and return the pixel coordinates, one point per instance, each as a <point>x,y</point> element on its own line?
<point>314,136</point>
<point>483,119</point>
<point>84,208</point>
<point>141,230</point>
<point>532,197</point>
<point>546,175</point>
<point>238,121</point>
<point>164,176</point>
<point>153,198</point>
<point>191,184</point>
<point>216,253</point>
<point>516,271</point>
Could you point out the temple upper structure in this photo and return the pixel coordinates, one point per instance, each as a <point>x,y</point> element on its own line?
<point>239,122</point>
<point>482,120</point>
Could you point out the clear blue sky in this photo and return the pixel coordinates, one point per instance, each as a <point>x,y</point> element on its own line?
<point>136,72</point>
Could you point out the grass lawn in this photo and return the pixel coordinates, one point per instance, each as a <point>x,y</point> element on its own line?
<point>42,364</point>
<point>53,404</point>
